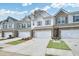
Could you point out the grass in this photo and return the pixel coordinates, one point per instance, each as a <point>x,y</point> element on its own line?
<point>58,45</point>
<point>2,39</point>
<point>1,47</point>
<point>16,42</point>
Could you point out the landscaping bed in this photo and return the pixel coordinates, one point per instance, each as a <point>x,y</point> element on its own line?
<point>2,39</point>
<point>16,42</point>
<point>1,47</point>
<point>58,48</point>
<point>19,41</point>
<point>58,45</point>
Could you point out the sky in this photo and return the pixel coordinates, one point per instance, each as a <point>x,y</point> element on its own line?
<point>20,10</point>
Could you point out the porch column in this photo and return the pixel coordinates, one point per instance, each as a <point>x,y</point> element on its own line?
<point>15,33</point>
<point>2,33</point>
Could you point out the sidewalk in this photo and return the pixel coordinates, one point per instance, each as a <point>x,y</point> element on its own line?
<point>74,45</point>
<point>58,52</point>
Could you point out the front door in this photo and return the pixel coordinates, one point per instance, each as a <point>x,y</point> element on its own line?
<point>56,33</point>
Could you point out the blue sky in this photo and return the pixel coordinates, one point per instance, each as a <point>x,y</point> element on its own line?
<point>19,10</point>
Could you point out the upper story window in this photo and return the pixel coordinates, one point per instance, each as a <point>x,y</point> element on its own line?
<point>33,23</point>
<point>5,26</point>
<point>61,20</point>
<point>10,25</point>
<point>39,23</point>
<point>75,18</point>
<point>28,25</point>
<point>19,26</point>
<point>23,25</point>
<point>47,22</point>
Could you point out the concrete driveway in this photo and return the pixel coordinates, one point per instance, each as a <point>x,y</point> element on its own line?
<point>74,45</point>
<point>34,47</point>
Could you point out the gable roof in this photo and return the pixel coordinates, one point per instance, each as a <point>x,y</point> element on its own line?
<point>40,13</point>
<point>26,18</point>
<point>62,10</point>
<point>10,18</point>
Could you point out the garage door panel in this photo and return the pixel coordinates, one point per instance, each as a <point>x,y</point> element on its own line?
<point>73,34</point>
<point>24,34</point>
<point>43,34</point>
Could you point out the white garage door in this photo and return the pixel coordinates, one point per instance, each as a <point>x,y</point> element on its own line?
<point>24,34</point>
<point>43,34</point>
<point>6,34</point>
<point>70,34</point>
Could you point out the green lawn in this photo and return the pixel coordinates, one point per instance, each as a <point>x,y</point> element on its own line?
<point>2,39</point>
<point>16,42</point>
<point>58,45</point>
<point>1,47</point>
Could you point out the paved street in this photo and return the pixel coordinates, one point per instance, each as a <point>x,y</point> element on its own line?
<point>74,45</point>
<point>33,47</point>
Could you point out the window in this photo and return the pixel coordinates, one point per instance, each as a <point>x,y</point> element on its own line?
<point>75,18</point>
<point>23,25</point>
<point>33,23</point>
<point>61,20</point>
<point>10,25</point>
<point>5,26</point>
<point>18,25</point>
<point>39,23</point>
<point>28,25</point>
<point>47,22</point>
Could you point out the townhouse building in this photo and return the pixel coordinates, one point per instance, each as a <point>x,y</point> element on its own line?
<point>40,24</point>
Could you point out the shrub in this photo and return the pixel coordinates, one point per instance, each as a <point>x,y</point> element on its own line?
<point>28,38</point>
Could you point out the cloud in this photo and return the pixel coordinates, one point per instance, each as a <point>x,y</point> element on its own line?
<point>4,11</point>
<point>74,4</point>
<point>57,5</point>
<point>34,10</point>
<point>61,5</point>
<point>46,8</point>
<point>15,14</point>
<point>26,4</point>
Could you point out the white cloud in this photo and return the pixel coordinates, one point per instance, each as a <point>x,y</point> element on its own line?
<point>46,8</point>
<point>26,4</point>
<point>74,4</point>
<point>4,11</point>
<point>34,10</point>
<point>57,5</point>
<point>16,14</point>
<point>61,5</point>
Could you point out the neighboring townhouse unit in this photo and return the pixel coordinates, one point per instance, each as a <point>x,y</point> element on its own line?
<point>67,24</point>
<point>8,27</point>
<point>24,27</point>
<point>15,28</point>
<point>40,24</point>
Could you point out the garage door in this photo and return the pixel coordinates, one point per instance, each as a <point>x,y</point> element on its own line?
<point>43,34</point>
<point>6,34</point>
<point>70,34</point>
<point>24,34</point>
